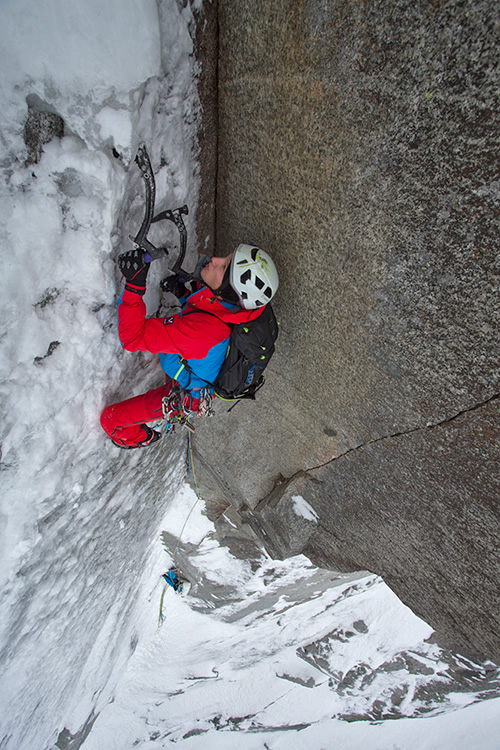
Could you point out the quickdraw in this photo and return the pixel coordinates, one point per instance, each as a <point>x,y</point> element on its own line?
<point>176,412</point>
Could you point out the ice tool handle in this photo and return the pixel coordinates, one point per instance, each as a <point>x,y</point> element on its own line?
<point>151,252</point>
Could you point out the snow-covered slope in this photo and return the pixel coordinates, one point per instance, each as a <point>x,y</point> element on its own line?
<point>265,653</point>
<point>266,649</point>
<point>79,517</point>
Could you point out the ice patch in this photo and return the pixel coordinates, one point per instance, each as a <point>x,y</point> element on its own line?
<point>302,508</point>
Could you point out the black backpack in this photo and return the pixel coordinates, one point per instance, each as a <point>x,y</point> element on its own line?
<point>251,347</point>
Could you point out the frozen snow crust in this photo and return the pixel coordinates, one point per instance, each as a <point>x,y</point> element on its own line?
<point>79,518</point>
<point>263,648</point>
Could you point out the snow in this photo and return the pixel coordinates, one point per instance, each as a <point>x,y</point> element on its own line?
<point>80,46</point>
<point>79,522</point>
<point>116,127</point>
<point>80,60</point>
<point>258,646</point>
<point>249,667</point>
<point>302,508</point>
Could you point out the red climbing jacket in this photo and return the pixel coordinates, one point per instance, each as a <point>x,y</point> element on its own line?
<point>192,335</point>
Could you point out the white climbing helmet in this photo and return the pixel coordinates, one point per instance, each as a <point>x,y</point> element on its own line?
<point>253,276</point>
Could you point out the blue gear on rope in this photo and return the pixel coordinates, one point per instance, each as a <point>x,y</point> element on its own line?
<point>172,578</point>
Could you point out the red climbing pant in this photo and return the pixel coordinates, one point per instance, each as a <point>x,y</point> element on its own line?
<point>125,421</point>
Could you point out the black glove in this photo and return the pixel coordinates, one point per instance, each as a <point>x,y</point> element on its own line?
<point>134,269</point>
<point>174,284</point>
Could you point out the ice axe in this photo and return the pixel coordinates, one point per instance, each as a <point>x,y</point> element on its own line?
<point>151,252</point>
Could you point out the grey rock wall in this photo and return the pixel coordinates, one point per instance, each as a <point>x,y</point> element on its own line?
<point>206,46</point>
<point>358,144</point>
<point>420,509</point>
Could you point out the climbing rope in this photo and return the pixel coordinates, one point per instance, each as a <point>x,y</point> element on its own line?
<point>171,576</point>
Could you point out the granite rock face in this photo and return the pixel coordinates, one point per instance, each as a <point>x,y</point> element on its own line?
<point>420,509</point>
<point>357,143</point>
<point>206,45</point>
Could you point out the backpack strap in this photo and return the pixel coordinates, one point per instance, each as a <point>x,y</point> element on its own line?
<point>183,362</point>
<point>252,389</point>
<point>185,366</point>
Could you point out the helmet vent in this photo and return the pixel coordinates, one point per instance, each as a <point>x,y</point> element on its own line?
<point>269,292</point>
<point>259,283</point>
<point>254,252</point>
<point>245,276</point>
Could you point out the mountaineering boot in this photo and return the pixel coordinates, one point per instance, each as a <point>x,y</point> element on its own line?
<point>152,437</point>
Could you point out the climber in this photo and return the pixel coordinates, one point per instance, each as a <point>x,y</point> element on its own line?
<point>192,344</point>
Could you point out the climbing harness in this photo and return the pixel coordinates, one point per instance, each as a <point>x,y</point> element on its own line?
<point>205,407</point>
<point>171,577</point>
